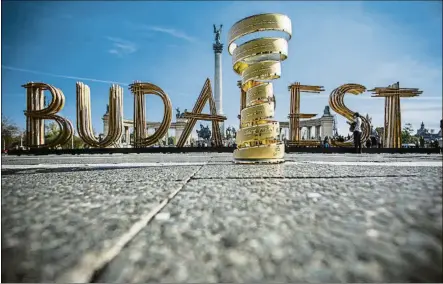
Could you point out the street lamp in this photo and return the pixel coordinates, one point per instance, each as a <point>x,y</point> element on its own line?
<point>72,140</point>
<point>21,140</point>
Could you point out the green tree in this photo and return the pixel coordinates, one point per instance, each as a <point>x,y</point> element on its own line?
<point>406,134</point>
<point>78,143</point>
<point>10,132</point>
<point>171,140</point>
<point>52,131</point>
<point>380,131</point>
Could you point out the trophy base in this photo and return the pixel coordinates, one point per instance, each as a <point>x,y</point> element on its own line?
<point>266,154</point>
<point>259,161</point>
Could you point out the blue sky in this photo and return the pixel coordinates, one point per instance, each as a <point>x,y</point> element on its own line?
<point>170,44</point>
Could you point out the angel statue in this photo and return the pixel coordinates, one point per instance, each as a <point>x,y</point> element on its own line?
<point>217,34</point>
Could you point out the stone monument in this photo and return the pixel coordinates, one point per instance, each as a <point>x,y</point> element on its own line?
<point>218,89</point>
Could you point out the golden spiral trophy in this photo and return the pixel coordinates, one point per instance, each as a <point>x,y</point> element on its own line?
<point>258,61</point>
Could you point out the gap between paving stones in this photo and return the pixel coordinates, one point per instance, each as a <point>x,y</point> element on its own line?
<point>148,261</point>
<point>310,177</point>
<point>90,265</point>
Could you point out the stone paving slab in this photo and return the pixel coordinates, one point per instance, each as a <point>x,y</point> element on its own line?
<point>363,157</point>
<point>225,224</point>
<point>102,159</point>
<point>49,220</point>
<point>67,176</point>
<point>307,170</point>
<point>312,230</point>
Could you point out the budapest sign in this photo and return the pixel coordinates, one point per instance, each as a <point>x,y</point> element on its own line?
<point>257,61</point>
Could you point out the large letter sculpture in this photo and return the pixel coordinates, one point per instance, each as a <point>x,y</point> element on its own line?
<point>140,90</point>
<point>258,61</point>
<point>336,102</point>
<point>392,123</point>
<point>84,123</point>
<point>205,95</point>
<point>295,115</point>
<point>36,113</point>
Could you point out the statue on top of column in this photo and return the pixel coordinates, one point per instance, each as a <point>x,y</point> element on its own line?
<point>217,34</point>
<point>177,114</point>
<point>326,111</point>
<point>180,114</point>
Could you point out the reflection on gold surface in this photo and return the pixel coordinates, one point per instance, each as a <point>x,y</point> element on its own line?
<point>258,61</point>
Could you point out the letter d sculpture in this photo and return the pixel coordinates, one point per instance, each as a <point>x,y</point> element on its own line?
<point>258,62</point>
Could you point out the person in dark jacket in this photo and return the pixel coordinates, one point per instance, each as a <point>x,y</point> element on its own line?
<point>356,128</point>
<point>368,143</point>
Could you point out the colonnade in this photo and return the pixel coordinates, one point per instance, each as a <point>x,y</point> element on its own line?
<point>306,132</point>
<point>128,126</point>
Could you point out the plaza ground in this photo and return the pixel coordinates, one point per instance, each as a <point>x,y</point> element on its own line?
<point>200,218</point>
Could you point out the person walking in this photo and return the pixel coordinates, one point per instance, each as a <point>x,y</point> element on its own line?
<point>356,129</point>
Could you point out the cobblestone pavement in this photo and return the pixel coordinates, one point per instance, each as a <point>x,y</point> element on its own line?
<point>200,218</point>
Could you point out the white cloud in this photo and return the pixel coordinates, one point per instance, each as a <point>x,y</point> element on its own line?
<point>61,76</point>
<point>121,47</point>
<point>172,32</point>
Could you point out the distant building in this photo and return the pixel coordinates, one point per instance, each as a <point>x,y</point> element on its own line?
<point>427,136</point>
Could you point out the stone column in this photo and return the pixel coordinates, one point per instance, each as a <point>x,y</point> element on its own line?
<point>126,135</point>
<point>308,133</point>
<point>178,133</point>
<point>179,127</point>
<point>105,124</point>
<point>218,88</point>
<point>327,123</point>
<point>317,132</point>
<point>166,137</point>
